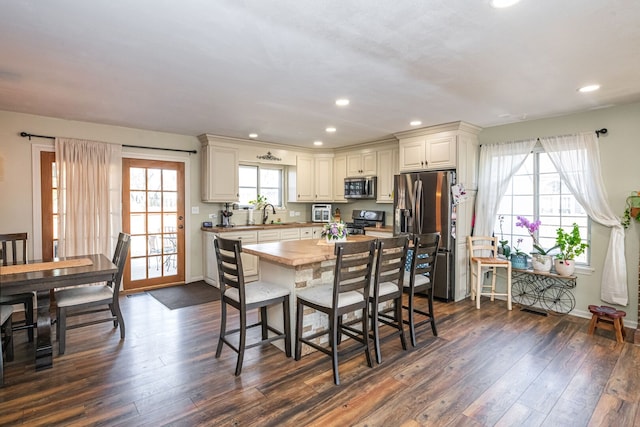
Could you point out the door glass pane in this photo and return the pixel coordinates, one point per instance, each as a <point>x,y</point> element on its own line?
<point>137,223</point>
<point>138,268</point>
<point>155,223</point>
<point>155,198</point>
<point>138,246</point>
<point>170,222</point>
<point>155,266</point>
<point>137,179</point>
<point>137,201</point>
<point>169,180</point>
<point>154,179</point>
<point>169,201</point>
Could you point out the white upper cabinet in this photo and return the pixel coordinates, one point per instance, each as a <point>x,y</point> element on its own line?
<point>219,171</point>
<point>387,168</point>
<point>304,179</point>
<point>313,179</point>
<point>323,176</point>
<point>361,164</point>
<point>447,146</point>
<point>428,152</point>
<point>339,174</point>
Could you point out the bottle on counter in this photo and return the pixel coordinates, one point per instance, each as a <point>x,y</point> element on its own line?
<point>337,215</point>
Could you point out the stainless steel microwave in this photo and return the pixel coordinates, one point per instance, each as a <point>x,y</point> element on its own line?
<point>360,187</point>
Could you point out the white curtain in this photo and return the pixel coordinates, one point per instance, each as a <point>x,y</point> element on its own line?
<point>498,163</point>
<point>577,159</point>
<point>89,196</point>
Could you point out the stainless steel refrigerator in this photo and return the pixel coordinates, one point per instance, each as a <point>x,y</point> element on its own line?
<point>422,203</point>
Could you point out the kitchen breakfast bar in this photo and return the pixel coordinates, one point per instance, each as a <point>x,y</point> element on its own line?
<point>297,264</point>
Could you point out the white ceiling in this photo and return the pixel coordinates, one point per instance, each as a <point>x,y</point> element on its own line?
<point>232,67</point>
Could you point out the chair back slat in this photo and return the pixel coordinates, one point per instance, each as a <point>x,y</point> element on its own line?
<point>425,251</point>
<point>13,256</point>
<point>230,271</point>
<point>391,257</point>
<point>353,269</point>
<point>482,246</point>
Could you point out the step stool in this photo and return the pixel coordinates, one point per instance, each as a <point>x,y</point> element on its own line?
<point>609,318</point>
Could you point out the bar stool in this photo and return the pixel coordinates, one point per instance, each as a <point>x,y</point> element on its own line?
<point>608,318</point>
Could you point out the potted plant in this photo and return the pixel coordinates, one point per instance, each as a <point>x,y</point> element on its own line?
<point>540,260</point>
<point>632,210</point>
<point>504,249</point>
<point>571,246</point>
<point>259,202</point>
<point>519,259</point>
<point>335,231</point>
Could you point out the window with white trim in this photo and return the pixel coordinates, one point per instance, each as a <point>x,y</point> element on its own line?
<point>266,181</point>
<point>537,192</point>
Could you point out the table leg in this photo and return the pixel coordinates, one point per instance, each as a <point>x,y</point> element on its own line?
<point>44,349</point>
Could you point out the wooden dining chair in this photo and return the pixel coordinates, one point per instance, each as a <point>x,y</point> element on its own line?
<point>6,338</point>
<point>483,258</point>
<point>348,294</point>
<point>419,280</point>
<point>234,292</point>
<point>387,285</point>
<point>93,298</point>
<point>17,243</point>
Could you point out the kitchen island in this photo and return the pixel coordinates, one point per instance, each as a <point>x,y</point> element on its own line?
<point>297,264</point>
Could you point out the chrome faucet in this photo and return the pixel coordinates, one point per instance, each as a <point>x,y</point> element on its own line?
<point>265,214</point>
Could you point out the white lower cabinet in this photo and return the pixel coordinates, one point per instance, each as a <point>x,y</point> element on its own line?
<point>249,262</point>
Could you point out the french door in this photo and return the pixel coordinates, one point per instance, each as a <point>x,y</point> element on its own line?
<point>153,213</point>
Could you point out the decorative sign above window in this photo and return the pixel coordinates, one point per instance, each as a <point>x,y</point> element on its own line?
<point>269,156</point>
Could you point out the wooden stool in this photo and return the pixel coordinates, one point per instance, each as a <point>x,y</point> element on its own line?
<point>609,318</point>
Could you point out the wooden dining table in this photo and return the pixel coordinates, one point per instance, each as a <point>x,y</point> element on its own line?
<point>41,277</point>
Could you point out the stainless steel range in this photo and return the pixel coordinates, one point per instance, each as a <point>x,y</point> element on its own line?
<point>362,219</point>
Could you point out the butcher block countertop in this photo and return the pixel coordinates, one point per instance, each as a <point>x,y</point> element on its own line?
<point>298,252</point>
<point>261,227</point>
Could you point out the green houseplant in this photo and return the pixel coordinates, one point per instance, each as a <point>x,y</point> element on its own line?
<point>571,246</point>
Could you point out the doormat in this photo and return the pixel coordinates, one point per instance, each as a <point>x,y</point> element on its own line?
<point>187,295</point>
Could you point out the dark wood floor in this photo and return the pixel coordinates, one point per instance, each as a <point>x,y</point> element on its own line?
<point>487,367</point>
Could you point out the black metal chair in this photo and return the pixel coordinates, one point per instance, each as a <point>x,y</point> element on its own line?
<point>349,293</point>
<point>418,281</point>
<point>84,299</point>
<point>6,341</point>
<point>243,297</point>
<point>17,242</point>
<point>387,285</point>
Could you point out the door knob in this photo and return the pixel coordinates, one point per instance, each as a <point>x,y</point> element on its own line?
<point>180,217</point>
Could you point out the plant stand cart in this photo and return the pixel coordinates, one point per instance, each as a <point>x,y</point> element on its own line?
<point>541,292</point>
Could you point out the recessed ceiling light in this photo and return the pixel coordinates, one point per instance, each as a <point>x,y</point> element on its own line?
<point>342,102</point>
<point>330,129</point>
<point>589,88</point>
<point>253,135</point>
<point>415,123</point>
<point>499,4</point>
<point>317,142</point>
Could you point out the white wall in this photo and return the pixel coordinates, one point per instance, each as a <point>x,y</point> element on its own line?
<point>16,183</point>
<point>620,153</point>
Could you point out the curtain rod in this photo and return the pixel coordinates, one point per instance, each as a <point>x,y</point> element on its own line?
<point>598,132</point>
<point>31,135</point>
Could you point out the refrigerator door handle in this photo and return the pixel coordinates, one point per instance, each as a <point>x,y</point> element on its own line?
<point>418,208</point>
